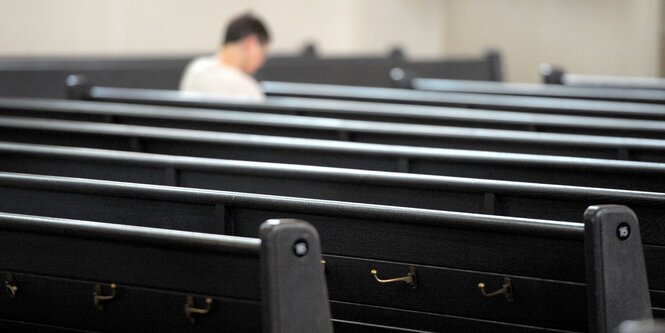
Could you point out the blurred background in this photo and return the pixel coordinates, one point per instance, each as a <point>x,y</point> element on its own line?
<point>615,37</point>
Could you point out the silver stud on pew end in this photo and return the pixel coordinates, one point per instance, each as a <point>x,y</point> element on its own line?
<point>300,248</point>
<point>409,279</point>
<point>506,290</point>
<point>10,285</point>
<point>190,308</point>
<point>98,297</point>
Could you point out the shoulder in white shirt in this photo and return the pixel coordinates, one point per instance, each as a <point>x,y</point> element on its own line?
<point>208,75</point>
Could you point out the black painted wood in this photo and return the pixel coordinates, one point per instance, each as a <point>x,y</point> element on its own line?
<point>431,192</point>
<point>538,249</point>
<point>343,227</point>
<point>468,100</point>
<point>540,90</point>
<point>55,265</point>
<point>375,71</point>
<point>600,124</point>
<point>475,164</point>
<point>52,268</point>
<point>557,75</point>
<point>15,326</point>
<point>129,137</point>
<point>456,293</point>
<point>422,321</point>
<point>43,76</point>
<point>64,302</point>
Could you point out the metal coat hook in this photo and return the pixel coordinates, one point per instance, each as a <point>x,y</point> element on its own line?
<point>191,309</point>
<point>11,287</point>
<point>409,279</point>
<point>98,297</point>
<point>506,290</point>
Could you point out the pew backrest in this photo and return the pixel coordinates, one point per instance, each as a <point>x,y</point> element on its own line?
<point>548,262</point>
<point>557,75</point>
<point>96,276</point>
<point>350,185</point>
<point>466,100</point>
<point>539,90</point>
<point>38,130</point>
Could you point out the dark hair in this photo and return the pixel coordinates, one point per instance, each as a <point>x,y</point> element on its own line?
<point>245,25</point>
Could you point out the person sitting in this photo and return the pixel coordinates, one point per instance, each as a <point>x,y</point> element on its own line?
<point>229,72</point>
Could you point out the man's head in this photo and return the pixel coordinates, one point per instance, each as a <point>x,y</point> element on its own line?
<point>250,37</point>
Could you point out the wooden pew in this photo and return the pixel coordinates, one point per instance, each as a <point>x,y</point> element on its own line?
<point>538,90</point>
<point>431,192</point>
<point>79,275</point>
<point>555,75</point>
<point>374,70</point>
<point>141,138</point>
<point>544,259</point>
<point>43,76</point>
<point>641,176</point>
<point>600,124</point>
<point>467,100</point>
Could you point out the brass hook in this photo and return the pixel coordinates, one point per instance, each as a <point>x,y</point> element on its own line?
<point>11,287</point>
<point>190,309</point>
<point>325,268</point>
<point>506,290</point>
<point>410,278</point>
<point>98,297</point>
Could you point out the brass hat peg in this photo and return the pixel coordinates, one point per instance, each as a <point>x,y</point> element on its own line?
<point>98,297</point>
<point>409,279</point>
<point>191,309</point>
<point>10,285</point>
<point>506,290</point>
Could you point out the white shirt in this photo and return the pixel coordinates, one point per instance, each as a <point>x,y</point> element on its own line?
<point>208,75</point>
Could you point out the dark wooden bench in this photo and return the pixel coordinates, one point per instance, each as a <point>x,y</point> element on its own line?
<point>556,75</point>
<point>80,275</point>
<point>375,70</point>
<point>468,100</point>
<point>368,111</point>
<point>143,138</point>
<point>538,90</point>
<point>43,76</point>
<point>543,258</point>
<point>431,192</point>
<point>357,238</point>
<point>461,163</point>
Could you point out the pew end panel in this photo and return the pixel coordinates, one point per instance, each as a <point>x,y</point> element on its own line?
<point>617,286</point>
<point>292,278</point>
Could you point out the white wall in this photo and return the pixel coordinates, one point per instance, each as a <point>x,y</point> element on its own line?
<point>620,37</point>
<point>122,27</point>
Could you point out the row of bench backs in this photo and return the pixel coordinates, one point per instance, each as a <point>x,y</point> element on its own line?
<point>369,111</point>
<point>376,71</point>
<point>556,75</point>
<point>420,160</point>
<point>548,252</point>
<point>636,149</point>
<point>81,275</point>
<point>351,185</point>
<point>466,100</point>
<point>43,77</point>
<point>536,90</point>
